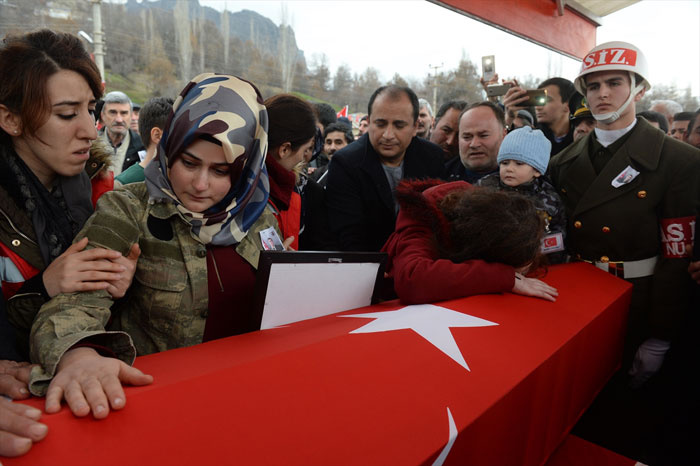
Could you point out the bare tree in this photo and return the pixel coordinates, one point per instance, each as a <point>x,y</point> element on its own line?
<point>398,80</point>
<point>363,87</point>
<point>225,32</point>
<point>342,86</point>
<point>287,51</point>
<point>319,77</point>
<point>670,92</point>
<point>461,83</point>
<point>183,34</point>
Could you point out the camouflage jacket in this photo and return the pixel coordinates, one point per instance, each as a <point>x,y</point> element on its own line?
<point>166,305</point>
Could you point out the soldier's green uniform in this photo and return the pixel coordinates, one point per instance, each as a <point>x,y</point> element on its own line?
<point>167,303</point>
<point>608,224</point>
<point>165,306</point>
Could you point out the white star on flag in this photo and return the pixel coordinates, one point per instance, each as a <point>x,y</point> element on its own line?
<point>427,320</point>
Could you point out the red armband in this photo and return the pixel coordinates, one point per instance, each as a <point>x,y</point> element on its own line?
<point>677,235</point>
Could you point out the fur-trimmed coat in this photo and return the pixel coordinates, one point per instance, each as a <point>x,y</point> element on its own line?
<point>419,275</point>
<point>98,168</point>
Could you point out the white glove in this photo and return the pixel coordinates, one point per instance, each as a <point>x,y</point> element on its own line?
<point>648,360</point>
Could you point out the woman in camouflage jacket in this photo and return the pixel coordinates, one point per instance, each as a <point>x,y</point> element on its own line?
<point>197,216</point>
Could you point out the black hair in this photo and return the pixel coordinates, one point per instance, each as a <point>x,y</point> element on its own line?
<point>657,117</point>
<point>99,105</point>
<point>27,61</point>
<point>683,116</point>
<point>325,114</point>
<point>458,105</point>
<point>694,120</point>
<point>347,131</point>
<point>154,114</point>
<point>566,88</point>
<point>290,120</point>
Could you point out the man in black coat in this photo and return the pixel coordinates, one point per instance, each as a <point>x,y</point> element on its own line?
<point>482,128</point>
<point>363,176</point>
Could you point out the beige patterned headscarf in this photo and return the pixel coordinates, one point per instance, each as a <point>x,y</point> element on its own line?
<point>231,111</point>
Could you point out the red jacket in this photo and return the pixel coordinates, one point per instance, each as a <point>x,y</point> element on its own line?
<point>101,183</point>
<point>420,276</point>
<point>14,271</point>
<point>284,200</point>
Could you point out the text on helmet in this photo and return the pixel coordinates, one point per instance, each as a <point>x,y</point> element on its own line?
<point>610,57</point>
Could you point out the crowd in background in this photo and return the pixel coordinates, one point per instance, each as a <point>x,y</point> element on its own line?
<point>147,221</point>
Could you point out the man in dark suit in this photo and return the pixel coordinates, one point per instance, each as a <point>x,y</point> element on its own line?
<point>363,176</point>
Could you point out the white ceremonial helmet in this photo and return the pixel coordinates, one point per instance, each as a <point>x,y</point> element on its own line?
<point>615,56</point>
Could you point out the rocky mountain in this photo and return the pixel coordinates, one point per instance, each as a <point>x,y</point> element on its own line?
<point>245,25</point>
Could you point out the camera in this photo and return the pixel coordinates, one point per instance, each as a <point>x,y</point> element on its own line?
<point>488,67</point>
<point>535,98</point>
<point>495,90</point>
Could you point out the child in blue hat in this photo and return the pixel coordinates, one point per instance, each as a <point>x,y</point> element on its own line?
<point>522,159</point>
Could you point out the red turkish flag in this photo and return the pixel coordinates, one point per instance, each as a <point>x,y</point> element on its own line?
<point>314,393</point>
<point>550,242</point>
<point>343,112</point>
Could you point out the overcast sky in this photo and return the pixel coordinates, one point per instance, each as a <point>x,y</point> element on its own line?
<point>409,36</point>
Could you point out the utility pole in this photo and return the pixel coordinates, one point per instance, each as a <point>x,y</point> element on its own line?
<point>99,41</point>
<point>435,68</point>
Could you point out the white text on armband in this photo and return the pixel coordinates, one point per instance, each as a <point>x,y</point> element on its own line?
<point>677,235</point>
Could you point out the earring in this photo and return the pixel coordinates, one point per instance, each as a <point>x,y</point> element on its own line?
<point>16,131</point>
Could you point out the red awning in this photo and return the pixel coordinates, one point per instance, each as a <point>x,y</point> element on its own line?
<point>568,27</point>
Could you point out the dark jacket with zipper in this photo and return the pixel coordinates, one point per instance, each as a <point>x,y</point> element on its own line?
<point>22,264</point>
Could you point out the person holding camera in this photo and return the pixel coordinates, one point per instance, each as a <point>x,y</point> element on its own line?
<point>553,110</point>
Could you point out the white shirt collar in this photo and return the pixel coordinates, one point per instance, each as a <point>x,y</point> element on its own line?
<point>608,136</point>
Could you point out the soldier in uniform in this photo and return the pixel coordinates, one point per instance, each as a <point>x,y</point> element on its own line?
<point>199,218</point>
<point>631,195</point>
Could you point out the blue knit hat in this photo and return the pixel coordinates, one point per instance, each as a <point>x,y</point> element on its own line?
<point>526,145</point>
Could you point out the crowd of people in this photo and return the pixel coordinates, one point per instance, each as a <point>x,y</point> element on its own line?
<point>125,233</point>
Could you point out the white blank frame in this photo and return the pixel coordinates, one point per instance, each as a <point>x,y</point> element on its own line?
<point>300,291</point>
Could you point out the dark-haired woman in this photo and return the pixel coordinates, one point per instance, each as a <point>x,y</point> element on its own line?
<point>48,89</point>
<point>199,218</point>
<point>453,240</point>
<point>291,141</point>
